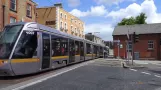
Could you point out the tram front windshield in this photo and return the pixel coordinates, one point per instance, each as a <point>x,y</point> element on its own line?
<point>7,40</point>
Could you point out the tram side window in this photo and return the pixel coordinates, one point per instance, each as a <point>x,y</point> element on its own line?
<point>77,48</point>
<point>81,48</point>
<point>88,46</point>
<point>64,46</point>
<point>59,46</point>
<point>55,46</point>
<point>26,46</point>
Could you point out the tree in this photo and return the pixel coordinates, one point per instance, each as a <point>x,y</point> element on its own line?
<point>140,19</point>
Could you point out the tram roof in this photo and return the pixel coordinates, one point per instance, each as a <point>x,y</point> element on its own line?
<point>37,26</point>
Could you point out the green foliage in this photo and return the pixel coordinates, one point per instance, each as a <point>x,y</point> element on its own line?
<point>140,19</point>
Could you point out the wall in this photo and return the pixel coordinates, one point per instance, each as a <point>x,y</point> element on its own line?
<point>141,46</point>
<point>46,15</point>
<point>71,21</point>
<point>20,12</point>
<point>1,16</point>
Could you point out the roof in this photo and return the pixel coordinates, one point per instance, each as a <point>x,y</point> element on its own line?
<point>138,29</point>
<point>51,30</point>
<point>33,2</point>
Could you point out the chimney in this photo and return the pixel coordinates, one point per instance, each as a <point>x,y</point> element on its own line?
<point>58,5</point>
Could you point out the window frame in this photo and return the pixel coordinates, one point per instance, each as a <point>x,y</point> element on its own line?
<point>13,18</point>
<point>65,26</point>
<point>15,6</point>
<point>61,25</point>
<point>61,15</point>
<point>65,17</point>
<point>30,5</point>
<point>150,44</point>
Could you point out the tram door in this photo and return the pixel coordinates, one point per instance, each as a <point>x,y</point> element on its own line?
<point>45,51</point>
<point>81,51</point>
<point>71,51</point>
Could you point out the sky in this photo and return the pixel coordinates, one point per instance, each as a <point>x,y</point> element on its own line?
<point>103,15</point>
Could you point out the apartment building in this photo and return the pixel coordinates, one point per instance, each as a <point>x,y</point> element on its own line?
<point>16,10</point>
<point>56,17</point>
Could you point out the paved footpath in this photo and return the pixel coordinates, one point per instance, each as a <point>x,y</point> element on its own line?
<point>94,75</point>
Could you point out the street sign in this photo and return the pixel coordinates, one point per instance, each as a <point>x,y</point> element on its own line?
<point>121,46</point>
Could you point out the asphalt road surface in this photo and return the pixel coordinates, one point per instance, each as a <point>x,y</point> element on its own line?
<point>93,75</point>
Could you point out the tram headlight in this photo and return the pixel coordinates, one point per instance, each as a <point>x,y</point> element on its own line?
<point>3,62</point>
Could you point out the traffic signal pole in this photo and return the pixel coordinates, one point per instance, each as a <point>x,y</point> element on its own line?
<point>135,39</point>
<point>132,47</point>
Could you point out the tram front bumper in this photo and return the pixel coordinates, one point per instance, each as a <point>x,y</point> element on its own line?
<point>5,69</point>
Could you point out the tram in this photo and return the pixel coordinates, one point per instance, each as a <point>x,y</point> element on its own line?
<point>27,48</point>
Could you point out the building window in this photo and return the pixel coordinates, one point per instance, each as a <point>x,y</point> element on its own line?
<point>75,30</point>
<point>61,15</point>
<point>150,44</point>
<point>65,17</point>
<point>13,5</point>
<point>65,25</point>
<point>75,22</point>
<point>61,24</point>
<point>28,10</point>
<point>12,20</point>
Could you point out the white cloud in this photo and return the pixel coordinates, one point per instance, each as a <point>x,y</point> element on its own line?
<point>110,2</point>
<point>104,29</point>
<point>73,3</point>
<point>134,9</point>
<point>94,11</point>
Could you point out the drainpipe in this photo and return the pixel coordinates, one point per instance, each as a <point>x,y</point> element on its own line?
<point>3,10</point>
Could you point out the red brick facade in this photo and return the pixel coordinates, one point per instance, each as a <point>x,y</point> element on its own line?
<point>20,14</point>
<point>141,47</point>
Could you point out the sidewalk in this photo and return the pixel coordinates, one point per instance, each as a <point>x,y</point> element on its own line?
<point>147,62</point>
<point>128,64</point>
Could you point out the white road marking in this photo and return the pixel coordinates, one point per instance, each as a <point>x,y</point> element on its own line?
<point>146,73</point>
<point>157,76</point>
<point>41,80</point>
<point>133,70</point>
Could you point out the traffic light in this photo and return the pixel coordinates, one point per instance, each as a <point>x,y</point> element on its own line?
<point>135,37</point>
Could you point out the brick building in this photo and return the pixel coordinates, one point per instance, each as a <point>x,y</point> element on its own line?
<point>149,45</point>
<point>16,10</point>
<point>56,17</point>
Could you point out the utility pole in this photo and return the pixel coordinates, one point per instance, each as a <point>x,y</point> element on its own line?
<point>118,44</point>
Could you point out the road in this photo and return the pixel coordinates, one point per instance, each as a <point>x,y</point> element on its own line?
<point>91,75</point>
